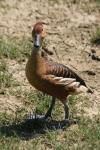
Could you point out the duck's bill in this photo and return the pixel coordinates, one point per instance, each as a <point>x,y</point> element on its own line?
<point>37,42</point>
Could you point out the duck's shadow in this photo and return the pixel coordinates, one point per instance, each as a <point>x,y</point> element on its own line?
<point>30,128</point>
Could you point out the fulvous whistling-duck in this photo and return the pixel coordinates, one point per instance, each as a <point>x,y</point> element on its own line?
<point>49,77</point>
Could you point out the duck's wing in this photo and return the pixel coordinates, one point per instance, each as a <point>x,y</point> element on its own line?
<point>62,71</point>
<point>61,75</point>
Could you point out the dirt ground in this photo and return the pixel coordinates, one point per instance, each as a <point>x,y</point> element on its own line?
<point>70,25</point>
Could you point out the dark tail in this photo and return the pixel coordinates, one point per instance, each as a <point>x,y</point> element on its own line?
<point>90,91</point>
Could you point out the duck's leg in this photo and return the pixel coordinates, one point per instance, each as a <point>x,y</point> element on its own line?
<point>66,109</point>
<point>48,114</point>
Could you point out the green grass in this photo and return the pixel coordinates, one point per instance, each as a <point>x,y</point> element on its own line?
<point>14,49</point>
<point>22,135</point>
<point>32,98</point>
<point>11,48</point>
<point>6,78</point>
<point>96,37</point>
<point>3,66</point>
<point>97,1</point>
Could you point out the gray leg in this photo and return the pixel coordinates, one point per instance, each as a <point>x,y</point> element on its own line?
<point>48,114</point>
<point>66,109</point>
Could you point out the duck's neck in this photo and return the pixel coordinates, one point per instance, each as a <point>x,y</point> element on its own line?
<point>35,54</point>
<point>36,57</point>
<point>37,61</point>
<point>36,51</point>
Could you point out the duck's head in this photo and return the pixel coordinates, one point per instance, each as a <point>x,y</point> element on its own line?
<point>38,34</point>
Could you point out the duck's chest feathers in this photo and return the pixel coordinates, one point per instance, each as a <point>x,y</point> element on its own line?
<point>35,68</point>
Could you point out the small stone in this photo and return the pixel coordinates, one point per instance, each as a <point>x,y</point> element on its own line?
<point>94,57</point>
<point>93,51</point>
<point>2,92</point>
<point>90,72</point>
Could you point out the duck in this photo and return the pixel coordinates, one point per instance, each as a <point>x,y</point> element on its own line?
<point>52,78</point>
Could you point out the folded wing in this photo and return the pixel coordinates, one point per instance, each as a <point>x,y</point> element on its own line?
<point>63,76</point>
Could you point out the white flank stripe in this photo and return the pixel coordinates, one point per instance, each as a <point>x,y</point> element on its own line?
<point>74,84</point>
<point>67,80</point>
<point>82,89</point>
<point>57,78</point>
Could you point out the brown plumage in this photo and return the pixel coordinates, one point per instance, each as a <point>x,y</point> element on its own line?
<point>50,77</point>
